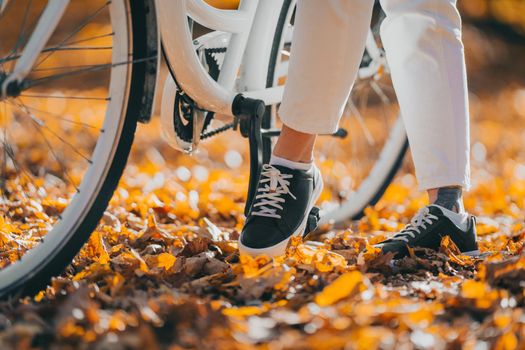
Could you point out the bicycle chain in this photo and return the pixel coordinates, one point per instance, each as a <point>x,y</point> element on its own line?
<point>185,132</point>
<point>214,132</point>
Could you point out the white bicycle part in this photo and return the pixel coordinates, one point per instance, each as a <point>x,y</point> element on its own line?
<point>213,40</point>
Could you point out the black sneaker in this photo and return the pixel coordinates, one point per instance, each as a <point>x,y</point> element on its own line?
<point>426,230</point>
<point>280,209</point>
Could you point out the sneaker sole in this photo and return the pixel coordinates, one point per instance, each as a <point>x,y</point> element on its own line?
<point>280,248</point>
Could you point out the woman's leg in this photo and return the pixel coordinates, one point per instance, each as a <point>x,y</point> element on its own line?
<point>329,40</point>
<point>423,44</point>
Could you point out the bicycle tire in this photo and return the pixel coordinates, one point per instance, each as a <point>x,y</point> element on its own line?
<point>49,263</point>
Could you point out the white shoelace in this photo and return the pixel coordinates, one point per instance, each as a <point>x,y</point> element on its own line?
<point>422,218</point>
<point>276,185</point>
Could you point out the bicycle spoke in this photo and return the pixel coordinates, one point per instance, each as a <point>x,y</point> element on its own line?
<point>9,152</point>
<point>57,158</point>
<point>386,86</point>
<point>4,160</point>
<point>54,49</point>
<point>365,110</point>
<point>71,146</point>
<point>21,34</point>
<point>359,117</point>
<point>81,26</point>
<point>386,109</point>
<point>77,48</point>
<point>92,38</point>
<point>42,124</point>
<point>363,101</point>
<point>57,116</point>
<point>94,68</point>
<point>377,89</point>
<point>67,97</point>
<point>63,68</point>
<point>386,113</point>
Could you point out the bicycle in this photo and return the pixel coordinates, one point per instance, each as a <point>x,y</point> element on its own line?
<point>234,74</point>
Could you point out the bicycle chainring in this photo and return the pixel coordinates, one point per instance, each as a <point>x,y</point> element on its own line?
<point>185,107</point>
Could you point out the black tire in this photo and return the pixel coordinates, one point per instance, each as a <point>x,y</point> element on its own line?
<point>142,14</point>
<point>269,118</point>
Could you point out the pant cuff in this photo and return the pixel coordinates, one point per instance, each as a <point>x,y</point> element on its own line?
<point>299,123</point>
<point>438,182</point>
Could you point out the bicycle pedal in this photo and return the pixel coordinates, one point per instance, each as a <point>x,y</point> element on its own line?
<point>313,221</point>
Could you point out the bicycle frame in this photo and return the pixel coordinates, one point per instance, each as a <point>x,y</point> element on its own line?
<point>247,56</point>
<point>251,27</point>
<point>251,34</point>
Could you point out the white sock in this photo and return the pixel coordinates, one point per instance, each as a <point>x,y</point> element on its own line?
<point>274,160</point>
<point>460,219</point>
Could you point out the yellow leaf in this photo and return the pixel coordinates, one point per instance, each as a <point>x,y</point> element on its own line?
<point>370,253</point>
<point>142,264</point>
<point>344,286</point>
<point>326,261</point>
<point>287,277</point>
<point>244,311</point>
<point>70,329</point>
<point>165,260</point>
<point>253,310</point>
<point>39,296</point>
<point>254,266</point>
<point>151,221</point>
<point>507,341</point>
<point>450,248</point>
<point>502,320</point>
<point>471,289</point>
<point>96,241</point>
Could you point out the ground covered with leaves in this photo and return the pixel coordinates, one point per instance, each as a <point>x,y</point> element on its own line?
<point>162,269</point>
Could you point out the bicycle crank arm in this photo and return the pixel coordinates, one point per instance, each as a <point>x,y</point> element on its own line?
<point>250,113</point>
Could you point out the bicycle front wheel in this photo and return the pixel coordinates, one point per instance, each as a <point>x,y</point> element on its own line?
<point>67,133</point>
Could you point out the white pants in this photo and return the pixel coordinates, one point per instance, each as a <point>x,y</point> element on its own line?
<point>422,39</point>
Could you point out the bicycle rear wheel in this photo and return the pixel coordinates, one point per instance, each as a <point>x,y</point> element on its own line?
<point>67,135</point>
<point>360,163</point>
